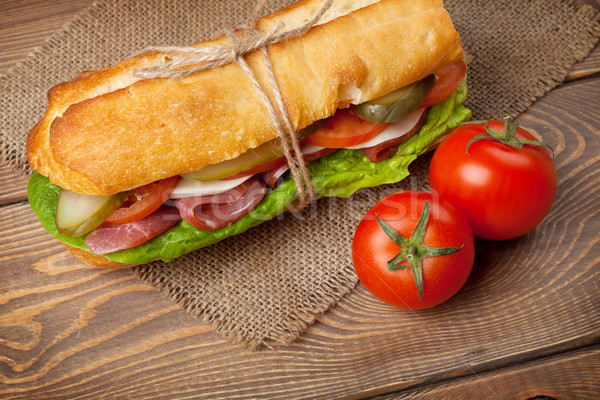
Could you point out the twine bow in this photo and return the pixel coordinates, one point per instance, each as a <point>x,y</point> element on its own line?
<point>189,60</point>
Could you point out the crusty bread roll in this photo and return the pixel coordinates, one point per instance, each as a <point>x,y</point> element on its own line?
<point>108,131</point>
<point>95,260</point>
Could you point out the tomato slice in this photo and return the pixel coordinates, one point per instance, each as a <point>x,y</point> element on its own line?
<point>447,80</point>
<point>344,129</point>
<point>143,201</point>
<point>278,162</point>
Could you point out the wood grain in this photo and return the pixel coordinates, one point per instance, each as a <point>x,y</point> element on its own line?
<point>69,331</point>
<point>572,376</point>
<point>529,310</point>
<point>13,186</point>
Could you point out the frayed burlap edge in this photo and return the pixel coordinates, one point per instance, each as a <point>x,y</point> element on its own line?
<point>284,332</point>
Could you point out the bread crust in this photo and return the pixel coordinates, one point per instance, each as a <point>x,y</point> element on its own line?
<point>106,132</point>
<point>95,260</point>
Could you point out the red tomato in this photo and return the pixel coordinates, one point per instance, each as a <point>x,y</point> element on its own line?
<point>343,130</point>
<point>503,191</point>
<point>143,201</point>
<point>447,80</point>
<point>442,276</point>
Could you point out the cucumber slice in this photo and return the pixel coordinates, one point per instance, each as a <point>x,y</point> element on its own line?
<point>396,105</point>
<point>78,214</point>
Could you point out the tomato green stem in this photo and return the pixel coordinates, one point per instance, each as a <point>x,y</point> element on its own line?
<point>413,250</point>
<point>507,136</point>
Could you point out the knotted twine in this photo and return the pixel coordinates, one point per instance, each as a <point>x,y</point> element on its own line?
<point>192,60</point>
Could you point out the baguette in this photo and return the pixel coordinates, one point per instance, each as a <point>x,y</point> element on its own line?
<point>95,260</point>
<point>107,131</point>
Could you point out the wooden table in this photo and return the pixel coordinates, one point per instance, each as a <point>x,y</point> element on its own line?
<point>526,324</point>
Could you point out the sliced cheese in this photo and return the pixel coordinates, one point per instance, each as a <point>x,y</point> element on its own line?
<point>189,188</point>
<point>308,149</point>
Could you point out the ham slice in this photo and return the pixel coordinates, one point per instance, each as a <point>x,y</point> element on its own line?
<point>271,177</point>
<point>384,150</point>
<point>212,212</point>
<point>108,238</point>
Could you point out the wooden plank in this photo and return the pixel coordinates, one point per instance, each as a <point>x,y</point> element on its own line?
<point>69,331</point>
<point>13,186</point>
<point>573,376</point>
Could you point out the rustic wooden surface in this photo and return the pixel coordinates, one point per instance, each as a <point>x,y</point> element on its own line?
<point>558,377</point>
<point>526,324</point>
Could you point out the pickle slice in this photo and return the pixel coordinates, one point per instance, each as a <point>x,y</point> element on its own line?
<point>396,105</point>
<point>78,214</point>
<point>265,152</point>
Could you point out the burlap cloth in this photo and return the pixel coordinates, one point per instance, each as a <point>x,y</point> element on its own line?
<point>268,284</point>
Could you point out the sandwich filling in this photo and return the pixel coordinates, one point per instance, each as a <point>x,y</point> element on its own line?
<point>363,146</point>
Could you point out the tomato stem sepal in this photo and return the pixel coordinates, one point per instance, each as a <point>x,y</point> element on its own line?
<point>413,250</point>
<point>507,136</point>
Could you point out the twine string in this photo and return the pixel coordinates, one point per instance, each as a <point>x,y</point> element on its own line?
<point>185,61</point>
<point>298,167</point>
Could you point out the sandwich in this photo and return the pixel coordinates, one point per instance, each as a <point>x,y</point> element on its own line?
<point>130,169</point>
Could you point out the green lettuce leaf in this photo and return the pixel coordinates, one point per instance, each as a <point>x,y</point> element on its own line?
<point>339,174</point>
